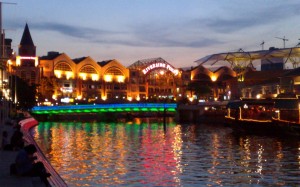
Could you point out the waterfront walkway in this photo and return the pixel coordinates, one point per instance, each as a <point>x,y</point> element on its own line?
<point>8,157</point>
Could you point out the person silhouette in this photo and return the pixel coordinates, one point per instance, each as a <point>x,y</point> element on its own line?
<point>25,164</point>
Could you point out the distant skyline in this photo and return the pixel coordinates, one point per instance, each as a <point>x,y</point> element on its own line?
<point>178,31</point>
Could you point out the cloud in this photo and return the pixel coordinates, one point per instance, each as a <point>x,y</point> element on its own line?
<point>178,34</point>
<point>242,19</point>
<point>74,31</point>
<point>142,36</point>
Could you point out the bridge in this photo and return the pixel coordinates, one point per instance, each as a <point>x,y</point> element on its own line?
<point>102,108</point>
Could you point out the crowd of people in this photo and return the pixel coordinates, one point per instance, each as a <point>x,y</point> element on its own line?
<point>26,163</point>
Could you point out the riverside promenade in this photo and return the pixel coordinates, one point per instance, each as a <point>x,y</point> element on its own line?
<point>8,157</point>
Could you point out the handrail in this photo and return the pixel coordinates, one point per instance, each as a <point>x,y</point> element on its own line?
<point>55,179</point>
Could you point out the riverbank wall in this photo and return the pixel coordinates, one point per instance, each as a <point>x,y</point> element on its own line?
<point>26,126</point>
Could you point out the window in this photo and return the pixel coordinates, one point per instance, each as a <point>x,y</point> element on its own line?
<point>63,66</point>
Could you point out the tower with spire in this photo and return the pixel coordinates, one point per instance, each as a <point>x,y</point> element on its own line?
<point>27,47</point>
<point>27,61</point>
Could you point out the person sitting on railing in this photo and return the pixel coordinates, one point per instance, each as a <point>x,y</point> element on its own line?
<point>25,164</point>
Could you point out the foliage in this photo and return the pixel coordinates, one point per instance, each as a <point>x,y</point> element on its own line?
<point>25,93</point>
<point>200,90</point>
<point>46,88</point>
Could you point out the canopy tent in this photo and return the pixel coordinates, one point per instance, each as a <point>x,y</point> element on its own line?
<point>245,59</point>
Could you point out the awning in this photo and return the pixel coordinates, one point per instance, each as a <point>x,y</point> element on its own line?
<point>250,102</point>
<point>288,104</point>
<point>234,104</point>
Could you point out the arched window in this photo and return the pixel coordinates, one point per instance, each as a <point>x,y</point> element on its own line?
<point>114,74</point>
<point>63,67</point>
<point>88,69</point>
<point>113,71</point>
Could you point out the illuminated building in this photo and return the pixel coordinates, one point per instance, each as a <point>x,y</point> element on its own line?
<point>60,78</point>
<point>26,63</point>
<point>222,81</point>
<point>155,79</point>
<point>84,78</point>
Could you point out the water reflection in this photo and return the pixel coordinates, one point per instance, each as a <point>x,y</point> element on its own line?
<point>142,153</point>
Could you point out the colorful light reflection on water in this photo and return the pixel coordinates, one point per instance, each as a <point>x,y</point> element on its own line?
<point>144,153</point>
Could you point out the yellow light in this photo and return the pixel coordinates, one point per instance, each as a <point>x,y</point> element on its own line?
<point>120,78</point>
<point>18,60</point>
<point>258,96</point>
<point>95,77</point>
<point>213,78</point>
<point>104,98</point>
<point>129,98</point>
<point>54,97</point>
<point>79,97</point>
<point>83,76</point>
<point>36,61</point>
<point>108,78</point>
<point>191,99</point>
<point>69,75</point>
<point>57,73</point>
<point>138,98</point>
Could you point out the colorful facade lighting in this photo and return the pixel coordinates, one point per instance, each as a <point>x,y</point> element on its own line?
<point>19,58</point>
<point>95,108</point>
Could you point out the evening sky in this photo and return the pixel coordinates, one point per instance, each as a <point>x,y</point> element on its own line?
<point>179,31</point>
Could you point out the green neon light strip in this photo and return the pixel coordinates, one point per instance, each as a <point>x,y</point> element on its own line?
<point>133,107</point>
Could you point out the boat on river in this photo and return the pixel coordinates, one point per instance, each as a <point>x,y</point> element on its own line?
<point>264,116</point>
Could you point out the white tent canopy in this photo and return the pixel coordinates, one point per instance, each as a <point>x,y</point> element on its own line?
<point>245,59</point>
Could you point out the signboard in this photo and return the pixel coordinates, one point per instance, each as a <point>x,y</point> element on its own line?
<point>160,65</point>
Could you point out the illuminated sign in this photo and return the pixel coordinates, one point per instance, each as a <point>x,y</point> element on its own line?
<point>160,65</point>
<point>66,89</point>
<point>19,58</point>
<point>67,100</point>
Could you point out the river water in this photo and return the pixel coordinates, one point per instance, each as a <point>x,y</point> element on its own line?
<point>144,152</point>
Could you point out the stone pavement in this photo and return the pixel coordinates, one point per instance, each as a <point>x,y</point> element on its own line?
<point>8,157</point>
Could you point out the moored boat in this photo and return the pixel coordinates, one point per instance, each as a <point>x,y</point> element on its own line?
<point>287,115</point>
<point>280,116</point>
<point>251,116</point>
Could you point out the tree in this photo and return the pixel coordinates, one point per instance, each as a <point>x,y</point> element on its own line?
<point>25,93</point>
<point>199,89</point>
<point>46,88</point>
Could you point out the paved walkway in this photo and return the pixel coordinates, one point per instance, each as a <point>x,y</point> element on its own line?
<point>8,157</point>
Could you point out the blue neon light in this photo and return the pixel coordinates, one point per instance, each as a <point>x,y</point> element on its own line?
<point>72,108</point>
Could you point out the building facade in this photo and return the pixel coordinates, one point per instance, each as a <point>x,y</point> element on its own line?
<point>60,78</point>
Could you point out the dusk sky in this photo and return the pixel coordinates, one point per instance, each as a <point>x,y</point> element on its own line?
<point>179,31</point>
